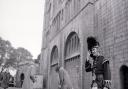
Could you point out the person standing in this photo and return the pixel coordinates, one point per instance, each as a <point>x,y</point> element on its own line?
<point>21,79</point>
<point>65,81</point>
<point>5,79</point>
<point>101,74</point>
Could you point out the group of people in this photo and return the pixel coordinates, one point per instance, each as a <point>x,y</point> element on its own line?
<point>95,63</point>
<point>5,79</point>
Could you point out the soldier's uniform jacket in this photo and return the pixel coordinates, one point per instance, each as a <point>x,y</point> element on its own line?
<point>101,70</point>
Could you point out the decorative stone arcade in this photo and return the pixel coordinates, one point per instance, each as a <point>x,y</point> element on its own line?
<point>72,59</point>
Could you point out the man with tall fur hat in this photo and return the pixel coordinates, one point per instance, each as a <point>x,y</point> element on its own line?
<point>100,67</point>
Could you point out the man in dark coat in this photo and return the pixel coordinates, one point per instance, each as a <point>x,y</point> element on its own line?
<point>100,67</point>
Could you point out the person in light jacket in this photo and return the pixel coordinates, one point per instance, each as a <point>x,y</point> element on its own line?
<point>65,81</point>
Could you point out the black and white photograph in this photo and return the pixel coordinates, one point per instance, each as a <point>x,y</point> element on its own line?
<point>63,44</point>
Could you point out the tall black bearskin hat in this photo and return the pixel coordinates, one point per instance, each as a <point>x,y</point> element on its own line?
<point>91,42</point>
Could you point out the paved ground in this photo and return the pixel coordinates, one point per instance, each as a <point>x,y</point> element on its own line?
<point>11,88</point>
<point>14,88</point>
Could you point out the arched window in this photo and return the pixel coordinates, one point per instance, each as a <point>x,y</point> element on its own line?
<point>54,56</point>
<point>124,77</point>
<point>72,59</point>
<point>53,63</point>
<point>72,45</point>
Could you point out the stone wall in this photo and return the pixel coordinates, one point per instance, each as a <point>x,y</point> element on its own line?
<point>105,19</point>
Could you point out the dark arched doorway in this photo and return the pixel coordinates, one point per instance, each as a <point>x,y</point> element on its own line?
<point>53,63</point>
<point>124,76</point>
<point>72,59</point>
<point>22,78</point>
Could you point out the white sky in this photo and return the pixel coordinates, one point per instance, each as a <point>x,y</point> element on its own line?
<point>21,22</point>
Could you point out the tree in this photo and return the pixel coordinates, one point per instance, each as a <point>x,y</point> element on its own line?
<point>4,50</point>
<point>38,59</point>
<point>12,57</point>
<point>23,54</point>
<point>7,54</point>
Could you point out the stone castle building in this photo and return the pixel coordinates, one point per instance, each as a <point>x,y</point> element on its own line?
<point>67,25</point>
<point>24,71</point>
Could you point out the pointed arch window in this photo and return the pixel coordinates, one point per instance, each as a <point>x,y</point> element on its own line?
<point>72,46</point>
<point>54,56</point>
